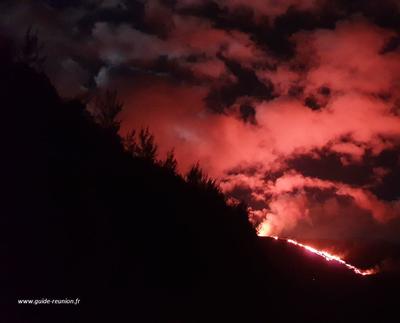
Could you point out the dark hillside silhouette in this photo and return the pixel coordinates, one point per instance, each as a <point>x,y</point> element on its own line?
<point>87,218</point>
<point>87,214</point>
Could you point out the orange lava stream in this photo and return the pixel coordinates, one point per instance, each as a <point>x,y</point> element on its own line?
<point>330,257</point>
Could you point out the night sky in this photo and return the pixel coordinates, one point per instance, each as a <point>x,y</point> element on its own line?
<point>293,105</point>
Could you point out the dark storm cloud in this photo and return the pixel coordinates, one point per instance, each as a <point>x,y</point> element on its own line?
<point>131,13</point>
<point>391,45</point>
<point>274,39</point>
<point>354,174</point>
<point>315,100</point>
<point>248,113</point>
<point>387,188</point>
<point>246,84</point>
<point>273,33</point>
<point>380,172</point>
<point>62,4</point>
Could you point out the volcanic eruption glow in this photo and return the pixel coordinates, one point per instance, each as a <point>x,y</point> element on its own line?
<point>324,254</point>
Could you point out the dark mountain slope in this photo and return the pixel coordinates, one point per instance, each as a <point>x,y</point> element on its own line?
<point>84,218</point>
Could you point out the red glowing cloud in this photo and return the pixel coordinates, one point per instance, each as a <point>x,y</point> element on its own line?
<point>354,122</point>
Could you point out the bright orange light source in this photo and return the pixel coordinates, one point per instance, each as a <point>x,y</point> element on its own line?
<point>324,254</point>
<point>330,257</point>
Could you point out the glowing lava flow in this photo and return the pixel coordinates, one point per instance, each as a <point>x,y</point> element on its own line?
<point>330,257</point>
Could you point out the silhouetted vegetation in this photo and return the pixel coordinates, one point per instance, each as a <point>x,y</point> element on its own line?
<point>87,214</point>
<point>107,106</point>
<point>170,162</point>
<point>31,51</point>
<point>101,218</point>
<point>146,148</point>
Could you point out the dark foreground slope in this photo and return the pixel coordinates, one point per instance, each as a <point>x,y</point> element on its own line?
<point>317,290</point>
<point>82,218</point>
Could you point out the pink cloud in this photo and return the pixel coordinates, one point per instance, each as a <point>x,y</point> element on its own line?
<point>348,58</point>
<point>353,122</point>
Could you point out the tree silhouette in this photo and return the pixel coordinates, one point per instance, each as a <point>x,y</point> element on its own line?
<point>107,106</point>
<point>31,51</point>
<point>129,142</point>
<point>197,177</point>
<point>170,162</point>
<point>146,147</point>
